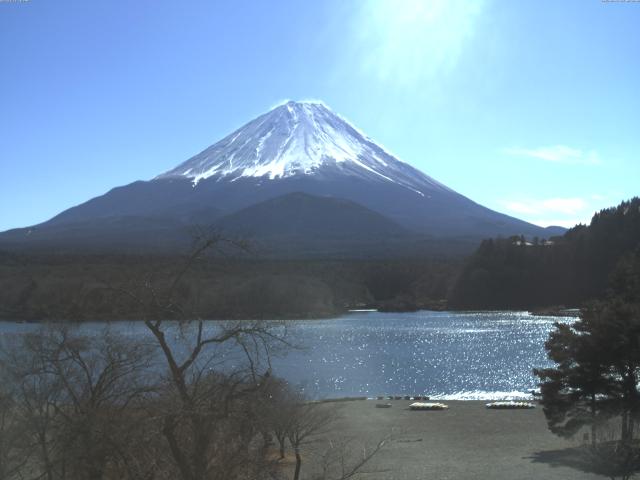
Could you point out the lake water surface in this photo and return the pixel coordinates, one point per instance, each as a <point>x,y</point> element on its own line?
<point>446,355</point>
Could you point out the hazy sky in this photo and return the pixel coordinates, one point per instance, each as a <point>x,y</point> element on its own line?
<point>529,108</point>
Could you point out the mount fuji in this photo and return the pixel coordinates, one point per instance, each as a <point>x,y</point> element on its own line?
<point>297,175</point>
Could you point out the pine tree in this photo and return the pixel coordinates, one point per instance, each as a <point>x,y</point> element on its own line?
<point>595,379</point>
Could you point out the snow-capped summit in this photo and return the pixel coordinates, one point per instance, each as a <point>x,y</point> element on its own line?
<point>300,138</point>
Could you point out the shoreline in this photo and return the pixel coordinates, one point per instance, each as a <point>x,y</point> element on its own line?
<point>564,313</point>
<point>466,396</point>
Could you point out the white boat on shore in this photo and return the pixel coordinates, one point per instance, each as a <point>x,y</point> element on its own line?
<point>428,406</point>
<point>510,405</point>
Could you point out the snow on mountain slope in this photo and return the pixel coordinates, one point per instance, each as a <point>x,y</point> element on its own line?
<point>300,138</point>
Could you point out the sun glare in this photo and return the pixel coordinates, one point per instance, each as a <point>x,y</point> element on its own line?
<point>410,40</point>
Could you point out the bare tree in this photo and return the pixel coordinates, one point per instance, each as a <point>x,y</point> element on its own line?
<point>343,460</point>
<point>12,437</point>
<point>74,399</point>
<point>213,370</point>
<point>306,427</point>
<point>277,402</point>
<point>307,420</point>
<point>35,407</point>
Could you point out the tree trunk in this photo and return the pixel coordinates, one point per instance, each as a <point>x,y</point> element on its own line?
<point>281,445</point>
<point>629,400</point>
<point>296,474</point>
<point>168,431</point>
<point>45,456</point>
<point>593,420</point>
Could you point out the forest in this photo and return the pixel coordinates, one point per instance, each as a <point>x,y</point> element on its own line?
<point>520,273</point>
<point>83,287</point>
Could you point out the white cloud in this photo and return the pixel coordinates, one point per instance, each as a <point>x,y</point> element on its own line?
<point>557,154</point>
<point>568,206</point>
<point>407,41</point>
<point>565,212</point>
<point>520,207</point>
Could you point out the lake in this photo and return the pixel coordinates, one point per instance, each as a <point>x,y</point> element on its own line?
<point>446,355</point>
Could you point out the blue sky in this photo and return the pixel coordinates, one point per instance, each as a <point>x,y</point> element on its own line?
<point>531,108</point>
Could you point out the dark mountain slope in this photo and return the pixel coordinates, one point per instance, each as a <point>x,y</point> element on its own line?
<point>301,215</point>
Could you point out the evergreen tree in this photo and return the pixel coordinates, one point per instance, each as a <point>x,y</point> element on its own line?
<point>572,391</point>
<point>595,379</point>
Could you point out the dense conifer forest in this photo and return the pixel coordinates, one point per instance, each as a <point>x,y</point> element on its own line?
<point>568,270</point>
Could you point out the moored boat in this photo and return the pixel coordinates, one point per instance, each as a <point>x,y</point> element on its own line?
<point>510,405</point>
<point>428,406</point>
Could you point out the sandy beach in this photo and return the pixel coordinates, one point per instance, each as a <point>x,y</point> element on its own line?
<point>467,441</point>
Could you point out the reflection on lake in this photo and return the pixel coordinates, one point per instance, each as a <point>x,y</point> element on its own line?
<point>465,355</point>
<point>441,354</point>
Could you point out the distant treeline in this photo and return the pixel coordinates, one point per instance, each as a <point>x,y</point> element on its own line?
<point>568,270</point>
<point>96,287</point>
